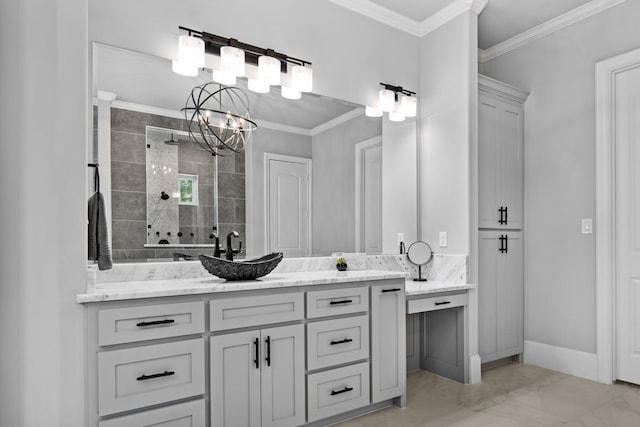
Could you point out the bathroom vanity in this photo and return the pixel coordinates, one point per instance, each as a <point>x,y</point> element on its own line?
<point>289,349</point>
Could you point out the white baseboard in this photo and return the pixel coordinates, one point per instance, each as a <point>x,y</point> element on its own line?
<point>565,360</point>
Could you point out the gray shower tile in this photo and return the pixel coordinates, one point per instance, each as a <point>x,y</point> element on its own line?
<point>128,147</point>
<point>136,122</point>
<point>128,176</point>
<point>205,195</point>
<point>226,164</point>
<point>231,185</point>
<point>241,211</point>
<point>188,215</point>
<point>132,254</point>
<point>240,162</point>
<point>129,205</point>
<point>205,173</point>
<point>226,210</point>
<point>187,167</point>
<point>129,234</point>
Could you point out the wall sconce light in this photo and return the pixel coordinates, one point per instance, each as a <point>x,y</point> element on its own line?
<point>396,101</point>
<point>233,57</point>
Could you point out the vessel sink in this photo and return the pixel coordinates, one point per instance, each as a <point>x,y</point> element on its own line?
<point>241,270</point>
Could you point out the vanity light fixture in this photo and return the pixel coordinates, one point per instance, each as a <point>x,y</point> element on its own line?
<point>233,57</point>
<point>395,100</point>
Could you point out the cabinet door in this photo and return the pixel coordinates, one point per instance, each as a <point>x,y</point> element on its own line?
<point>500,295</point>
<point>283,390</point>
<point>489,298</point>
<point>388,342</point>
<point>512,283</point>
<point>512,164</point>
<point>235,380</point>
<point>489,161</point>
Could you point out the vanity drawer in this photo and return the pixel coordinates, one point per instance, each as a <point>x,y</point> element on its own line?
<point>436,303</point>
<point>231,313</point>
<point>137,377</point>
<point>337,301</point>
<point>130,324</point>
<point>337,391</point>
<point>333,342</point>
<point>189,414</point>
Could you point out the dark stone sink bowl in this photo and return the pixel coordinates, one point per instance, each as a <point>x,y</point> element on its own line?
<point>241,270</point>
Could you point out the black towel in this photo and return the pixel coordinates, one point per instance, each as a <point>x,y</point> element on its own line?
<point>98,239</point>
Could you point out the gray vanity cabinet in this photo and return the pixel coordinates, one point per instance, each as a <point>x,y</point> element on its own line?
<point>388,343</point>
<point>257,378</point>
<point>500,295</point>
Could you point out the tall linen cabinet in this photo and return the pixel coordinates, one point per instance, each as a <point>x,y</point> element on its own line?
<point>500,219</point>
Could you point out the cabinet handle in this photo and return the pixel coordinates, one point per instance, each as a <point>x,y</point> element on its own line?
<point>501,211</point>
<point>257,359</point>
<point>344,301</point>
<point>155,322</point>
<point>161,374</point>
<point>506,215</point>
<point>506,244</point>
<point>268,358</point>
<point>443,302</point>
<point>346,340</point>
<point>344,390</point>
<point>391,290</point>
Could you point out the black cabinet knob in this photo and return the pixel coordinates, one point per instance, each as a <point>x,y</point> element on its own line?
<point>179,233</point>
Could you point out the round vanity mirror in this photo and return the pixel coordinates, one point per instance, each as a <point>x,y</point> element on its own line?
<point>420,254</point>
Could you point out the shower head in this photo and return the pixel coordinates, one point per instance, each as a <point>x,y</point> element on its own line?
<point>172,141</point>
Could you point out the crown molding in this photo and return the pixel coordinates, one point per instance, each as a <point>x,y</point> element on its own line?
<point>446,14</point>
<point>495,87</point>
<point>381,14</point>
<point>281,127</point>
<point>349,115</point>
<point>140,108</point>
<point>576,15</point>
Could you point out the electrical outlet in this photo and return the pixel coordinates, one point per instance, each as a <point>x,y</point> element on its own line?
<point>443,239</point>
<point>587,226</point>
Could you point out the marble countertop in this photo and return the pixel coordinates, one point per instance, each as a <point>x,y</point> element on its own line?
<point>174,287</point>
<point>414,289</point>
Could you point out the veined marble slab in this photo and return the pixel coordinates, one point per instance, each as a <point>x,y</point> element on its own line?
<point>162,288</point>
<point>442,268</point>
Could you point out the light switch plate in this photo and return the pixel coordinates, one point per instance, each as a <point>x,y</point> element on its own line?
<point>587,226</point>
<point>443,239</point>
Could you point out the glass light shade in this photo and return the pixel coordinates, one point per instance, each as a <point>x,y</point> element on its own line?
<point>302,78</point>
<point>372,111</point>
<point>184,69</point>
<point>387,100</point>
<point>224,77</point>
<point>409,106</point>
<point>269,70</point>
<point>232,59</point>
<point>290,93</point>
<point>191,51</point>
<point>258,86</point>
<point>395,116</point>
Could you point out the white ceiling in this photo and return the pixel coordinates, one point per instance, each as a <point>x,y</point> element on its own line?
<point>499,21</point>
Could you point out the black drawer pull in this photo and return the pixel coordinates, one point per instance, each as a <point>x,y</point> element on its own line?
<point>148,377</point>
<point>391,290</point>
<point>443,302</point>
<point>343,301</point>
<point>344,390</point>
<point>346,340</point>
<point>155,322</point>
<point>257,359</point>
<point>268,358</point>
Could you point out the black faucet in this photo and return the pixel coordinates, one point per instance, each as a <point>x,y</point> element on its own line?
<point>229,252</point>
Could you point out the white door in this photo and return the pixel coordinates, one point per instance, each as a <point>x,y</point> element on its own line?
<point>369,196</point>
<point>288,197</point>
<point>627,196</point>
<point>283,382</point>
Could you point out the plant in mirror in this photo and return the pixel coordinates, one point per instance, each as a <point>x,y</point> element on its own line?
<point>237,192</point>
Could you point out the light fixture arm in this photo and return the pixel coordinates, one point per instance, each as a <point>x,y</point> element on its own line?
<point>213,43</point>
<point>397,89</point>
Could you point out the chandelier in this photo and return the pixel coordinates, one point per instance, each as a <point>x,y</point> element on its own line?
<point>218,118</point>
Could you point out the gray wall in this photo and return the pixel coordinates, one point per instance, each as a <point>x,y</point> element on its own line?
<point>266,141</point>
<point>334,183</point>
<point>559,71</point>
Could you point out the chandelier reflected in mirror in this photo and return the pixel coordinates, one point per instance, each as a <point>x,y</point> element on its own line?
<point>218,118</point>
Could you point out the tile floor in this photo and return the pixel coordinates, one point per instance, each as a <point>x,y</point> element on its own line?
<point>510,395</point>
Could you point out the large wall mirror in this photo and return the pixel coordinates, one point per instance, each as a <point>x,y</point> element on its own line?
<point>317,177</point>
